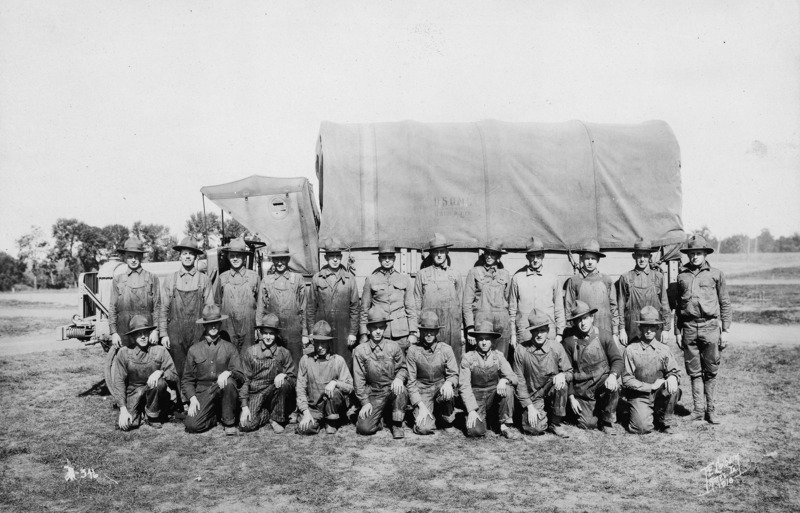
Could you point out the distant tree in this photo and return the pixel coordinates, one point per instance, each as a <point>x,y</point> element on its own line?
<point>115,236</point>
<point>157,241</point>
<point>12,271</point>
<point>68,234</point>
<point>705,232</point>
<point>789,244</point>
<point>234,228</point>
<point>33,249</point>
<point>734,244</point>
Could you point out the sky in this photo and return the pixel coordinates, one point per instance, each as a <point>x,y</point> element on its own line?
<point>114,112</point>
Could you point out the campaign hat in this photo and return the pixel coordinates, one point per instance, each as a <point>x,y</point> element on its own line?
<point>429,320</point>
<point>211,313</point>
<point>696,242</point>
<point>438,242</point>
<point>133,245</point>
<point>321,331</point>
<point>270,321</point>
<point>377,314</point>
<point>535,245</point>
<point>279,249</point>
<point>139,323</point>
<point>386,247</point>
<point>190,244</point>
<point>537,319</point>
<point>494,245</point>
<point>484,328</point>
<point>579,310</point>
<point>237,245</point>
<point>591,246</point>
<point>649,316</point>
<point>643,245</point>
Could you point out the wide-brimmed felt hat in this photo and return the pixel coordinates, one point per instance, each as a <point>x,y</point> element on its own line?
<point>535,245</point>
<point>438,242</point>
<point>332,246</point>
<point>579,310</point>
<point>279,249</point>
<point>211,313</point>
<point>270,321</point>
<point>643,245</point>
<point>537,319</point>
<point>133,245</point>
<point>190,244</point>
<point>484,328</point>
<point>386,247</point>
<point>429,320</point>
<point>649,316</point>
<point>321,331</point>
<point>696,242</point>
<point>494,245</point>
<point>377,314</point>
<point>237,245</point>
<point>590,246</point>
<point>139,323</point>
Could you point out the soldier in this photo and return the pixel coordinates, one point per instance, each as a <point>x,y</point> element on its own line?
<point>638,288</point>
<point>380,374</point>
<point>486,291</point>
<point>211,377</point>
<point>595,289</point>
<point>650,378</point>
<point>596,368</point>
<point>544,373</point>
<point>283,292</point>
<point>432,378</point>
<point>134,292</point>
<point>183,296</point>
<point>394,293</point>
<point>438,288</point>
<point>323,384</point>
<point>531,288</point>
<point>486,381</point>
<point>703,309</point>
<point>333,297</point>
<point>269,379</point>
<point>141,376</point>
<point>238,296</point>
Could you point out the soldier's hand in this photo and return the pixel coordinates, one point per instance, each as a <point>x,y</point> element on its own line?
<point>222,379</point>
<point>351,340</point>
<point>723,342</point>
<point>611,382</point>
<point>125,419</point>
<point>463,339</point>
<point>306,421</point>
<point>446,391</point>
<point>330,387</point>
<point>657,384</point>
<point>574,404</point>
<point>501,387</point>
<point>559,381</point>
<point>305,340</point>
<point>616,340</point>
<point>154,337</point>
<point>672,384</point>
<point>152,381</point>
<point>513,340</point>
<point>533,415</point>
<point>397,386</point>
<point>245,416</point>
<point>472,419</point>
<point>412,339</point>
<point>470,340</point>
<point>679,341</point>
<point>165,341</point>
<point>366,411</point>
<point>623,337</point>
<point>116,340</point>
<point>194,406</point>
<point>278,380</point>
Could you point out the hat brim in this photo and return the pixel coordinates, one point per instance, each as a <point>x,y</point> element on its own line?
<point>263,326</point>
<point>584,314</point>
<point>441,246</point>
<point>378,321</point>
<point>544,325</point>
<point>276,255</point>
<point>650,323</point>
<point>211,321</point>
<point>708,251</point>
<point>234,250</point>
<point>144,328</point>
<point>140,251</point>
<point>385,253</point>
<point>496,250</point>
<point>491,334</point>
<point>430,328</point>
<point>197,251</point>
<point>588,252</point>
<point>320,337</point>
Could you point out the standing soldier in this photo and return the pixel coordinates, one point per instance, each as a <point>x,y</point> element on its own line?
<point>594,288</point>
<point>392,292</point>
<point>487,290</point>
<point>283,292</point>
<point>134,292</point>
<point>238,295</point>
<point>438,288</point>
<point>638,288</point>
<point>333,298</point>
<point>530,288</point>
<point>183,297</point>
<point>703,309</point>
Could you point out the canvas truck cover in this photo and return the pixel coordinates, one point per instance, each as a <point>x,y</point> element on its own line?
<point>564,182</point>
<point>277,210</point>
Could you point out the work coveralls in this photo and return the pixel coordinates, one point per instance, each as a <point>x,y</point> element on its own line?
<point>640,288</point>
<point>259,393</point>
<point>536,368</point>
<point>285,295</point>
<point>649,407</point>
<point>314,375</point>
<point>132,369</point>
<point>477,382</point>
<point>205,361</point>
<point>486,293</point>
<point>428,370</point>
<point>184,295</point>
<point>593,356</point>
<point>598,291</point>
<point>531,289</point>
<point>439,289</point>
<point>333,298</point>
<point>394,292</point>
<point>375,367</point>
<point>238,297</point>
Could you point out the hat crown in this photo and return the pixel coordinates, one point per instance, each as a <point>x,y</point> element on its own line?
<point>484,327</point>
<point>189,243</point>
<point>535,245</point>
<point>494,244</point>
<point>579,309</point>
<point>211,313</point>
<point>376,314</point>
<point>429,320</point>
<point>133,244</point>
<point>279,249</point>
<point>590,246</point>
<point>238,245</point>
<point>138,323</point>
<point>330,245</point>
<point>271,320</point>
<point>321,328</point>
<point>438,241</point>
<point>643,245</point>
<point>649,315</point>
<point>698,242</point>
<point>538,318</point>
<point>387,247</point>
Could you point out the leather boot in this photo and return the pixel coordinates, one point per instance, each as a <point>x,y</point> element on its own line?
<point>697,398</point>
<point>710,387</point>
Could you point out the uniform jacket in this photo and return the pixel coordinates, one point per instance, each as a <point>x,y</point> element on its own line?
<point>702,296</point>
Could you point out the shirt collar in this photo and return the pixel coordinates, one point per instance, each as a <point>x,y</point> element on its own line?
<point>530,270</point>
<point>544,349</point>
<point>212,342</point>
<point>645,346</point>
<point>265,349</point>
<point>490,268</point>
<point>646,270</point>
<point>138,270</point>
<point>326,358</point>
<point>138,349</point>
<point>184,272</point>
<point>242,270</point>
<point>379,345</point>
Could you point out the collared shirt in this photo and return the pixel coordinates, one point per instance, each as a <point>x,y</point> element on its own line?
<point>333,294</point>
<point>283,294</point>
<point>394,292</point>
<point>183,280</point>
<point>598,291</point>
<point>648,283</point>
<point>430,366</point>
<point>376,366</point>
<point>244,279</point>
<point>315,373</point>
<point>535,367</point>
<point>645,363</point>
<point>486,288</point>
<point>703,295</point>
<point>493,362</point>
<point>133,366</point>
<point>205,361</point>
<point>261,364</point>
<point>531,289</point>
<point>593,356</point>
<point>438,287</point>
<point>134,279</point>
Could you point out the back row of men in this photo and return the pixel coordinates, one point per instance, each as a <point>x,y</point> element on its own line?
<point>489,299</point>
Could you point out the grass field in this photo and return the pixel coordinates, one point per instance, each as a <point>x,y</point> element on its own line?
<point>44,425</point>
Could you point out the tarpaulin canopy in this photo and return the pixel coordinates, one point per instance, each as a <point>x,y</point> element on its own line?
<point>565,182</point>
<point>277,210</point>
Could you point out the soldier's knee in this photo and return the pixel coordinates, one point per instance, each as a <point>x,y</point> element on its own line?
<point>533,430</point>
<point>477,431</point>
<point>638,425</point>
<point>366,427</point>
<point>161,386</point>
<point>709,374</point>
<point>191,425</point>
<point>424,429</point>
<point>587,422</point>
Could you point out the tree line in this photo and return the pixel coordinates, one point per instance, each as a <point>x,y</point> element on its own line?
<point>765,242</point>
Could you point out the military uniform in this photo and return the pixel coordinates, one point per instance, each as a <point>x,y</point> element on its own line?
<point>333,297</point>
<point>394,293</point>
<point>486,292</point>
<point>477,381</point>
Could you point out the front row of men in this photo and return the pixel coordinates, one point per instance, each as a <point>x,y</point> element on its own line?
<point>581,375</point>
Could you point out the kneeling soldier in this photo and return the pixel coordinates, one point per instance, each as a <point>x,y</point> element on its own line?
<point>432,378</point>
<point>267,393</point>
<point>650,378</point>
<point>484,377</point>
<point>141,374</point>
<point>596,368</point>
<point>379,372</point>
<point>323,384</point>
<point>544,372</point>
<point>211,376</point>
